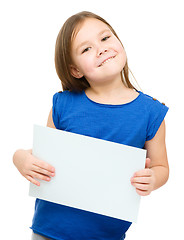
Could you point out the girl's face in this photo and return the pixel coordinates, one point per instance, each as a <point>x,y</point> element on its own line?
<point>96,53</point>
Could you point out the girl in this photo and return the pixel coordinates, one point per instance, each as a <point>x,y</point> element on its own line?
<point>98,101</point>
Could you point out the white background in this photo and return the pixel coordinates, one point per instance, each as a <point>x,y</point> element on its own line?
<point>152,34</point>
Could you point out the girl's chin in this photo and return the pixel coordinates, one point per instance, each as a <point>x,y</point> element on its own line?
<point>105,78</point>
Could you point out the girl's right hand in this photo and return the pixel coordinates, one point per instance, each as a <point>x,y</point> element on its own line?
<point>31,167</point>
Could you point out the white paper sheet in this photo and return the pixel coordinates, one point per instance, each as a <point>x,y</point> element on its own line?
<point>91,174</point>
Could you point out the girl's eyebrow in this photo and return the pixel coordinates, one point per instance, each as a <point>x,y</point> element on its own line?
<point>86,42</point>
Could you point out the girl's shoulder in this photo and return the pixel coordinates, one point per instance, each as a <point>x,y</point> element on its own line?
<point>154,113</point>
<point>153,109</point>
<point>62,93</point>
<point>64,99</point>
<point>62,96</point>
<point>151,101</point>
<point>58,97</point>
<point>66,93</point>
<point>61,100</point>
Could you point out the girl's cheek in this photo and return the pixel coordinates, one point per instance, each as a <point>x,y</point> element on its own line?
<point>121,50</point>
<point>88,64</point>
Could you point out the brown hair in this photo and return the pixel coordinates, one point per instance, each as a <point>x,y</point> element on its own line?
<point>63,57</point>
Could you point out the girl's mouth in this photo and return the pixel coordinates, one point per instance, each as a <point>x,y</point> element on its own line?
<point>106,61</point>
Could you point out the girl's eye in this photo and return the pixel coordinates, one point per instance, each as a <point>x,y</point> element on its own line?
<point>86,49</point>
<point>105,38</point>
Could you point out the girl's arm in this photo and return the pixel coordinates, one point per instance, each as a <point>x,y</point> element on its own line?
<point>156,172</point>
<point>31,167</point>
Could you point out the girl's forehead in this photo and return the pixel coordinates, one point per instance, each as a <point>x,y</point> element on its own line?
<point>93,22</point>
<point>90,26</point>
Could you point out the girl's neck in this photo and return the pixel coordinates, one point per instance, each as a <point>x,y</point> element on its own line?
<point>106,89</point>
<point>111,95</point>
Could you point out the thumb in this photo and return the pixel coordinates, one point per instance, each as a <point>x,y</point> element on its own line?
<point>148,163</point>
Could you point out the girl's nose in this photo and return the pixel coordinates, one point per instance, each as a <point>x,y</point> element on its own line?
<point>102,51</point>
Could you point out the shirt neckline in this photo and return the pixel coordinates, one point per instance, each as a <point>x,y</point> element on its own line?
<point>112,105</point>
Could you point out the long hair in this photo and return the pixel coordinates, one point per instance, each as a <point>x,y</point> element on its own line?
<point>63,57</point>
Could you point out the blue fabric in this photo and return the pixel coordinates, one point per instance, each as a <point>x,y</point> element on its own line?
<point>131,124</point>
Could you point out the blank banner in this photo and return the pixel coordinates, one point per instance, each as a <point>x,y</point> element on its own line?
<point>91,174</point>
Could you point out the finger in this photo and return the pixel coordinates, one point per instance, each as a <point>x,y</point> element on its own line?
<point>32,180</point>
<point>40,176</point>
<point>148,163</point>
<point>144,180</point>
<point>142,193</point>
<point>143,173</point>
<point>42,171</point>
<point>143,187</point>
<point>44,165</point>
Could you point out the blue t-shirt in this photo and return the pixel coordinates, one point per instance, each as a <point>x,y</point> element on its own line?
<point>131,124</point>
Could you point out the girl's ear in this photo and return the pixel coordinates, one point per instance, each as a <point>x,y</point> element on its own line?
<point>75,72</point>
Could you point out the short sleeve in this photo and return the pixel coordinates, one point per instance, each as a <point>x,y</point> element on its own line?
<point>55,109</point>
<point>157,113</point>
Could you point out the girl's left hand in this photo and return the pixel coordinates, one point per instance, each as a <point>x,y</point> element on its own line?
<point>144,180</point>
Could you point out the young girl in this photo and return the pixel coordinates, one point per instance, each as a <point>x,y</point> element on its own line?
<point>98,101</point>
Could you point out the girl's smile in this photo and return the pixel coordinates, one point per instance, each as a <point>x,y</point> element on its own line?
<point>107,60</point>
